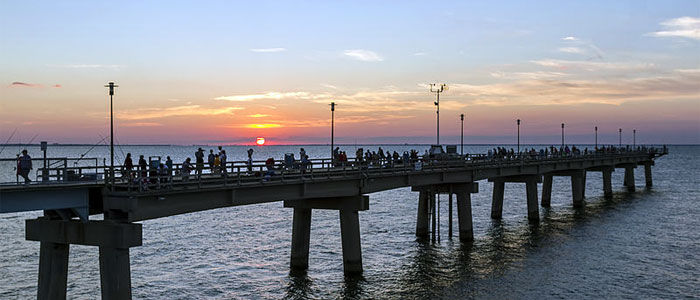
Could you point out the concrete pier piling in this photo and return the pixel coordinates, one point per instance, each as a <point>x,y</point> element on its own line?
<point>53,270</point>
<point>301,235</point>
<point>533,211</point>
<point>547,190</point>
<point>647,173</point>
<point>499,187</point>
<point>629,178</point>
<point>577,187</point>
<point>350,236</point>
<point>422,229</point>
<point>607,182</point>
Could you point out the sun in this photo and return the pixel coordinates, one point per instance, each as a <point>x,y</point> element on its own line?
<point>260,141</point>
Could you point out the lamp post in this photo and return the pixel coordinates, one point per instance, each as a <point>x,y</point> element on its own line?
<point>634,137</point>
<point>332,130</point>
<point>438,88</point>
<point>620,137</point>
<point>562,135</point>
<point>111,87</point>
<point>596,137</point>
<point>518,136</point>
<point>461,140</point>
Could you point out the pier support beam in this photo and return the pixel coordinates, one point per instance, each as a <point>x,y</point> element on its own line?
<point>583,188</point>
<point>547,191</point>
<point>348,208</point>
<point>113,239</point>
<point>577,187</point>
<point>350,235</point>
<point>533,212</point>
<point>301,235</point>
<point>499,187</point>
<point>115,273</point>
<point>607,182</point>
<point>422,229</point>
<point>647,172</point>
<point>629,178</point>
<point>464,216</point>
<point>53,270</point>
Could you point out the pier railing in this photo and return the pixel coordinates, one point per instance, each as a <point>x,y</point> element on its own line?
<point>174,176</point>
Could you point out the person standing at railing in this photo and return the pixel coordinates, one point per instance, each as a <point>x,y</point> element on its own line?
<point>169,164</point>
<point>199,155</point>
<point>222,157</point>
<point>210,160</point>
<point>250,160</point>
<point>25,166</point>
<point>217,164</point>
<point>128,167</point>
<point>186,169</point>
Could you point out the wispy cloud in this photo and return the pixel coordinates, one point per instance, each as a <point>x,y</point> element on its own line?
<point>189,110</point>
<point>268,50</point>
<point>592,66</point>
<point>574,50</point>
<point>24,84</point>
<point>685,27</point>
<point>31,85</point>
<point>87,66</point>
<point>363,55</point>
<point>419,54</point>
<point>271,95</point>
<point>258,116</point>
<point>141,124</point>
<point>570,38</point>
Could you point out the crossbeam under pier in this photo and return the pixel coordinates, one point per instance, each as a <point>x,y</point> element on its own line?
<point>113,239</point>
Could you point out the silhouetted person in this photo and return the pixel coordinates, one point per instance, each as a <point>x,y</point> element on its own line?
<point>24,166</point>
<point>128,166</point>
<point>199,155</point>
<point>211,159</point>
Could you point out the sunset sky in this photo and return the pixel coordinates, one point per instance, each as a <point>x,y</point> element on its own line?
<point>228,72</point>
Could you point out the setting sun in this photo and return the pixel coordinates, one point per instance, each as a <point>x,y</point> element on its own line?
<point>260,141</point>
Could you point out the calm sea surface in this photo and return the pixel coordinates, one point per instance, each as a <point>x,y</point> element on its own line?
<point>643,245</point>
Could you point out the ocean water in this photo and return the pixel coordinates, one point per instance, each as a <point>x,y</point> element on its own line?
<point>641,245</point>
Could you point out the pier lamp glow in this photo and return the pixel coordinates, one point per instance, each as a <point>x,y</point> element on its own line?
<point>438,88</point>
<point>518,121</point>
<point>111,87</point>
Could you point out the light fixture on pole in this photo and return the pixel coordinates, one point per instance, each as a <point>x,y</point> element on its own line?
<point>634,137</point>
<point>620,137</point>
<point>518,136</point>
<point>596,137</point>
<point>438,88</point>
<point>111,87</point>
<point>461,140</point>
<point>562,135</point>
<point>332,130</point>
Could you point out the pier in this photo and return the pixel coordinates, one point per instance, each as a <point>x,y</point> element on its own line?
<point>69,197</point>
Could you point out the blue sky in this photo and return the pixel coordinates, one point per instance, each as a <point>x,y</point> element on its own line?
<point>188,56</point>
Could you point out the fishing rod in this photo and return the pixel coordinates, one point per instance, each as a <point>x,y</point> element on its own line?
<point>88,151</point>
<point>30,142</point>
<point>8,140</point>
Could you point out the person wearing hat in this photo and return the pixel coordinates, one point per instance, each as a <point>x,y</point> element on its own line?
<point>25,165</point>
<point>200,162</point>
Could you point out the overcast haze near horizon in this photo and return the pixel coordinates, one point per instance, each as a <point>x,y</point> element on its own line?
<point>227,72</point>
